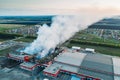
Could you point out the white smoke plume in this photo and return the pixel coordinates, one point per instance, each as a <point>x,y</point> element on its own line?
<point>61,29</point>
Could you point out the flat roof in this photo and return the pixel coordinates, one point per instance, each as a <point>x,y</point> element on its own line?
<point>75,47</point>
<point>98,62</point>
<point>69,68</point>
<point>71,58</point>
<point>97,65</point>
<point>94,65</point>
<point>66,61</point>
<point>89,49</point>
<point>27,64</point>
<point>54,68</point>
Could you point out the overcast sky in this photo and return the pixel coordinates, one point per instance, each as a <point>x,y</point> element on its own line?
<point>43,7</point>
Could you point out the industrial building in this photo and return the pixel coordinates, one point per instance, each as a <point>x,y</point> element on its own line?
<point>90,66</point>
<point>73,64</point>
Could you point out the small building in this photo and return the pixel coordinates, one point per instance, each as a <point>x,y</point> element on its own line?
<point>90,50</point>
<point>28,66</point>
<point>53,70</point>
<point>16,56</point>
<point>75,48</point>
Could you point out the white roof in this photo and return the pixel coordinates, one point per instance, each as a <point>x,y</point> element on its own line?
<point>75,47</point>
<point>89,49</point>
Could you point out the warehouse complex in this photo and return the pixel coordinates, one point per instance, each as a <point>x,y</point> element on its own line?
<point>90,66</point>
<point>70,64</point>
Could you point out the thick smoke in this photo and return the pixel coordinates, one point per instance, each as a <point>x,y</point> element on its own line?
<point>61,29</point>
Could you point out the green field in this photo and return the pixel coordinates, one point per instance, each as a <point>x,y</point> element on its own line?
<point>9,26</point>
<point>93,38</point>
<point>25,40</point>
<point>1,40</point>
<point>7,36</point>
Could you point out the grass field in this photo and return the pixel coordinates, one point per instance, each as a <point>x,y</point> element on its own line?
<point>25,40</point>
<point>9,26</point>
<point>1,40</point>
<point>93,38</point>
